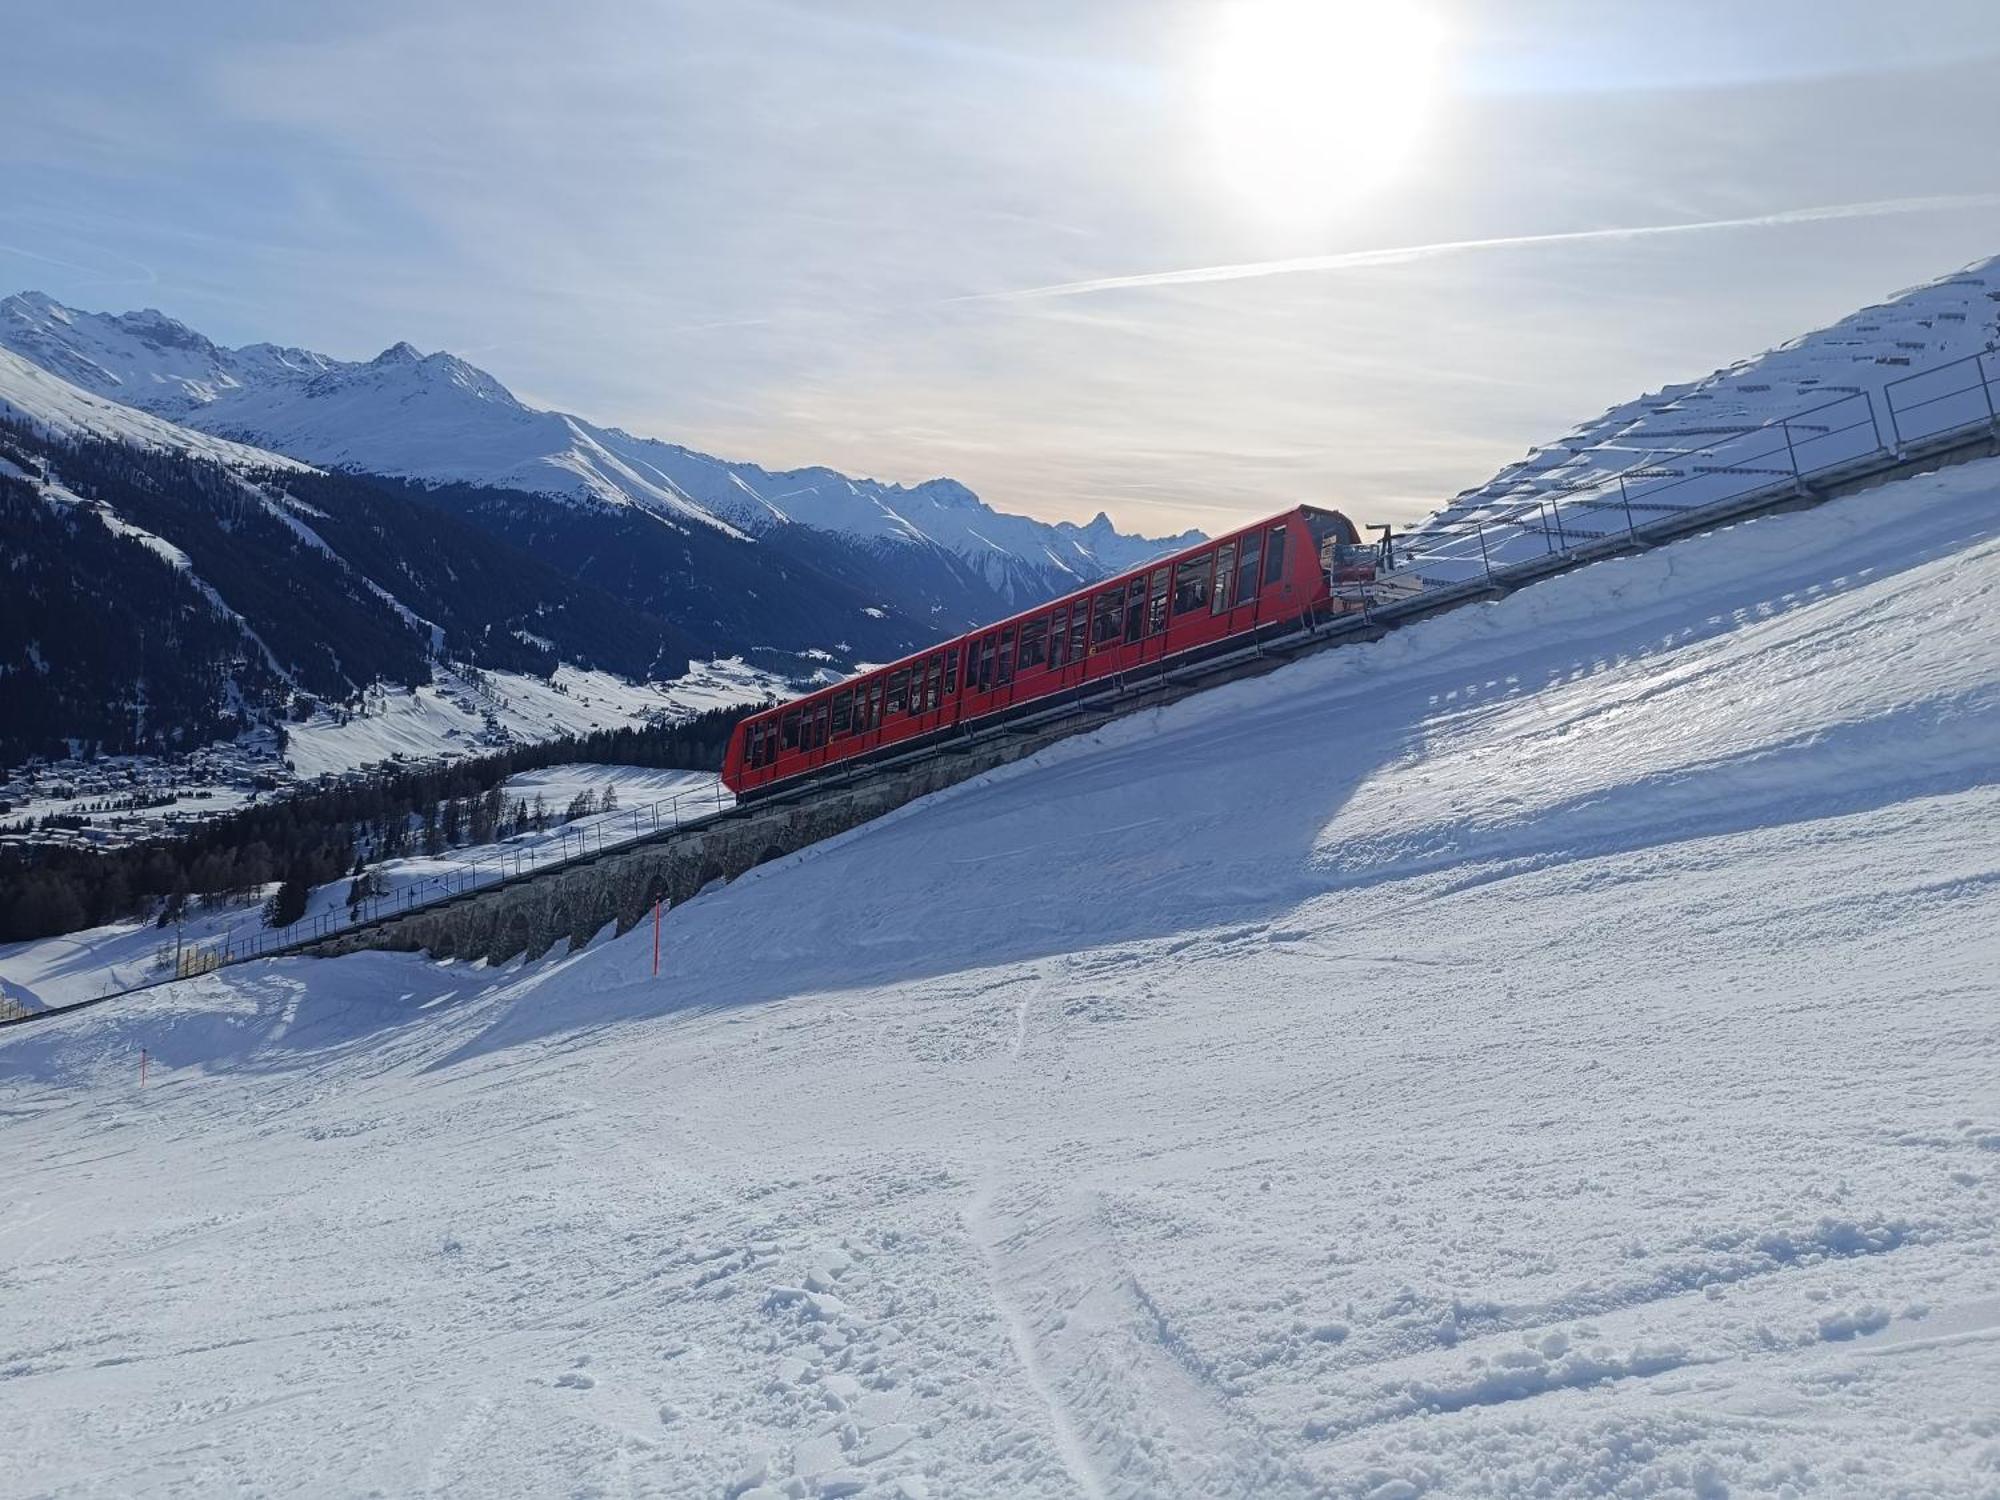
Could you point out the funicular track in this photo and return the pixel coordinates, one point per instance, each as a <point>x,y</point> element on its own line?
<point>828,804</point>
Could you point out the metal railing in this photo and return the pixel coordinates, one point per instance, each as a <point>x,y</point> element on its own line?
<point>493,865</point>
<point>1926,411</point>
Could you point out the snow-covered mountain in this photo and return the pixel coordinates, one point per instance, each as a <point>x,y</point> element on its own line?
<point>166,587</point>
<point>436,418</point>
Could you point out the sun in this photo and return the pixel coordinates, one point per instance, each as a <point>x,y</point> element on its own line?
<point>1309,104</point>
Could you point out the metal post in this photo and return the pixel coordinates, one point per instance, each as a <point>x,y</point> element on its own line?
<point>1979,365</point>
<point>1556,510</point>
<point>1895,427</point>
<point>1792,453</point>
<point>1488,561</point>
<point>1548,537</point>
<point>1874,426</point>
<point>1626,500</point>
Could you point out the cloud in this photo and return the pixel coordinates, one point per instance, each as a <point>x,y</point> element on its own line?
<point>1352,260</point>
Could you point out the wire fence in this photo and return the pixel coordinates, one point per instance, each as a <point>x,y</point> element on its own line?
<point>515,858</point>
<point>1855,432</point>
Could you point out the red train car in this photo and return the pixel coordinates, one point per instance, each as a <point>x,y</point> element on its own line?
<point>1260,581</point>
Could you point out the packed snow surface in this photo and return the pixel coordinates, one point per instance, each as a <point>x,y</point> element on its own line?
<point>1550,1051</point>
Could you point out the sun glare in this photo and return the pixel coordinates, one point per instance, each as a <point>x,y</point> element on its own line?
<point>1311,103</point>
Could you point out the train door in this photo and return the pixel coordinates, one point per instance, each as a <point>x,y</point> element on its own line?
<point>1249,573</point>
<point>1156,612</point>
<point>1282,598</point>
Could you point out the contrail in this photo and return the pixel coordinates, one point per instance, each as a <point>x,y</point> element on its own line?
<point>1404,254</point>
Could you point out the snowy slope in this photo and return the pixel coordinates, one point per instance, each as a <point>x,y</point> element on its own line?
<point>1834,391</point>
<point>1547,1052</point>
<point>452,716</point>
<point>30,394</point>
<point>437,418</point>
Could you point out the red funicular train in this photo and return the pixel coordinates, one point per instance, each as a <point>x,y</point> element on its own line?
<point>1260,582</point>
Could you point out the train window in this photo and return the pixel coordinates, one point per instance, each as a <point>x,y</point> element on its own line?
<point>1274,556</point>
<point>1191,583</point>
<point>843,713</point>
<point>899,691</point>
<point>1156,609</point>
<point>1246,569</point>
<point>875,703</point>
<point>986,664</point>
<point>790,736</point>
<point>1059,638</point>
<point>951,671</point>
<point>1004,673</point>
<point>819,727</point>
<point>933,683</point>
<point>1079,630</point>
<point>1225,574</point>
<point>1034,645</point>
<point>1106,611</point>
<point>1135,608</point>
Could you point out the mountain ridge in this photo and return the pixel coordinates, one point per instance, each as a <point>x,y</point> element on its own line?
<point>438,418</point>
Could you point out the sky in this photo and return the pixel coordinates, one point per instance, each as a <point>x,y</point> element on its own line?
<point>1177,260</point>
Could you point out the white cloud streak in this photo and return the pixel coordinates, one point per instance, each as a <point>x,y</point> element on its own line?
<point>1352,260</point>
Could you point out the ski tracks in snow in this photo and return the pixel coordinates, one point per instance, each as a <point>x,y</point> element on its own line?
<point>1130,1408</point>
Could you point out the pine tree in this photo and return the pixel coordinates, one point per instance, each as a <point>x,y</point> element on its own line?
<point>288,905</point>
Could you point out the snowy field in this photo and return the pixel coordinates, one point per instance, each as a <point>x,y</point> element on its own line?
<point>1550,1052</point>
<point>446,718</point>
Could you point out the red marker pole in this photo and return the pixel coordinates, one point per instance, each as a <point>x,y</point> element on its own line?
<point>656,940</point>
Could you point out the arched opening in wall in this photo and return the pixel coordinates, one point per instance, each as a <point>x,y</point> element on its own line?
<point>712,874</point>
<point>770,853</point>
